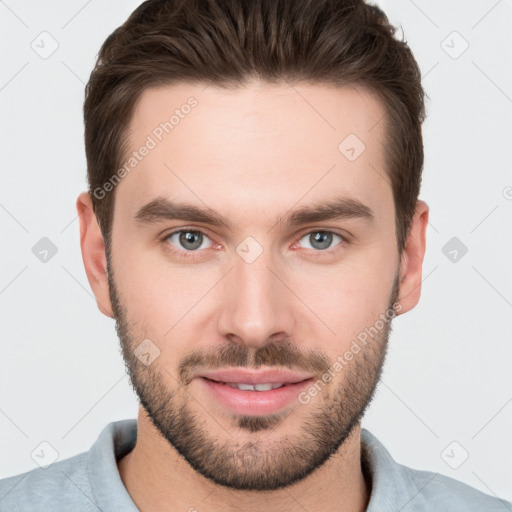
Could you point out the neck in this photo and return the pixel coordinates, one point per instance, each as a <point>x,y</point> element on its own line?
<point>158,478</point>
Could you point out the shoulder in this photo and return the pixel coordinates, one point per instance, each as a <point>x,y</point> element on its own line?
<point>86,482</point>
<point>62,486</point>
<point>396,486</point>
<point>431,491</point>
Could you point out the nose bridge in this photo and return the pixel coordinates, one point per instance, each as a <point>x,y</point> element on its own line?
<point>257,304</point>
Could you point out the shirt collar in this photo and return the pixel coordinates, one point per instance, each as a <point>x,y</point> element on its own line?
<point>389,481</point>
<point>115,441</point>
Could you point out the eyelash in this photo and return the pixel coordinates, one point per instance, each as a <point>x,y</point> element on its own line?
<point>193,254</point>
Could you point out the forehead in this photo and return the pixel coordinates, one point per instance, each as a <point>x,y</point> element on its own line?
<point>259,146</point>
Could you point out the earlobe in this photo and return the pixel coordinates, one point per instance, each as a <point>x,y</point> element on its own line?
<point>93,253</point>
<point>411,264</point>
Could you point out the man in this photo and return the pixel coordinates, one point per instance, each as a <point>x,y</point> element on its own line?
<point>253,225</point>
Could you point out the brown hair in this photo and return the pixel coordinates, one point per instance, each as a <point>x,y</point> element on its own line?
<point>227,43</point>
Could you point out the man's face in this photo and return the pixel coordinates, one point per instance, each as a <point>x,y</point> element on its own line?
<point>255,294</point>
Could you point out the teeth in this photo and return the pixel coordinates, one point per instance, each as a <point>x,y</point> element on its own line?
<point>255,387</point>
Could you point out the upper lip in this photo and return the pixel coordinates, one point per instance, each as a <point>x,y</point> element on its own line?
<point>246,376</point>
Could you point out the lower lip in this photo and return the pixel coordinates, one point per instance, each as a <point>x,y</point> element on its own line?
<point>254,403</point>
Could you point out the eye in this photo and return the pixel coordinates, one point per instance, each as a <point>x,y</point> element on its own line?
<point>321,240</point>
<point>187,243</point>
<point>186,240</point>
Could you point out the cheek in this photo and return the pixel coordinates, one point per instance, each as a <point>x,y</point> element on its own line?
<point>346,308</point>
<point>157,300</point>
<point>165,302</point>
<point>142,287</point>
<point>349,297</point>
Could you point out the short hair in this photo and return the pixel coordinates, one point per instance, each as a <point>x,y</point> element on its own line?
<point>230,42</point>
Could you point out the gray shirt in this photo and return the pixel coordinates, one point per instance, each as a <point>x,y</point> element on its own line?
<point>90,481</point>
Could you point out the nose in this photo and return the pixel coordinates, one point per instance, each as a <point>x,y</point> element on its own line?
<point>256,304</point>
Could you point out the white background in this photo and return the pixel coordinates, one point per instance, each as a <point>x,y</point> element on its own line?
<point>448,374</point>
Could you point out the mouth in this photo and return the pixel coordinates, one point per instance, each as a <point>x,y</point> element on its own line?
<point>245,376</point>
<point>254,393</point>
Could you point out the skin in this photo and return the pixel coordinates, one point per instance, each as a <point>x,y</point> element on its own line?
<point>253,154</point>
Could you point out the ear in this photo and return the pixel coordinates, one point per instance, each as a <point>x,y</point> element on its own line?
<point>412,259</point>
<point>93,253</point>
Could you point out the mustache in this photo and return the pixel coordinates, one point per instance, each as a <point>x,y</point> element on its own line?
<point>275,354</point>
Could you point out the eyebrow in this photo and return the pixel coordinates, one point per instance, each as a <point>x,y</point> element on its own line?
<point>162,209</point>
